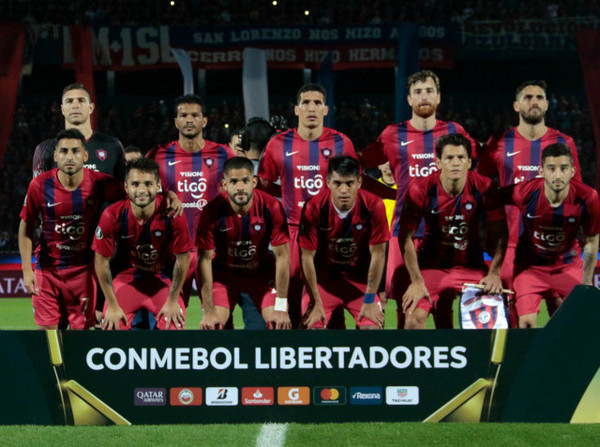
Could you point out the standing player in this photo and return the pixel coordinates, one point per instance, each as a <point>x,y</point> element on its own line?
<point>453,202</point>
<point>105,153</point>
<point>153,250</point>
<point>299,158</point>
<point>237,228</point>
<point>69,200</point>
<point>343,233</point>
<point>410,149</point>
<point>515,156</point>
<point>191,167</point>
<point>553,209</point>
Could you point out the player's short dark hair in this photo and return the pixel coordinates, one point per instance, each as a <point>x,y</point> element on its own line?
<point>256,134</point>
<point>238,163</point>
<point>144,165</point>
<point>189,99</point>
<point>133,149</point>
<point>454,139</point>
<point>344,165</point>
<point>71,134</point>
<point>311,87</point>
<point>421,76</point>
<point>535,83</point>
<point>557,150</point>
<point>76,86</point>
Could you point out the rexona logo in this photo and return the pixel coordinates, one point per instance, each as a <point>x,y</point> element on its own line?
<point>366,395</point>
<point>402,395</point>
<point>185,397</point>
<point>329,395</point>
<point>150,397</point>
<point>221,396</point>
<point>253,395</point>
<point>293,395</point>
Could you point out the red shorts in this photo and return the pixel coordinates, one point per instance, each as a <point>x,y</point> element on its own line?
<point>186,289</point>
<point>444,284</point>
<point>537,282</point>
<point>340,293</point>
<point>145,291</point>
<point>227,289</point>
<point>65,294</point>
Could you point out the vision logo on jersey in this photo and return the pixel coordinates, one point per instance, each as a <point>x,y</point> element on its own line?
<point>331,395</point>
<point>189,397</point>
<point>366,395</point>
<point>287,395</point>
<point>402,395</point>
<point>258,396</point>
<point>221,396</point>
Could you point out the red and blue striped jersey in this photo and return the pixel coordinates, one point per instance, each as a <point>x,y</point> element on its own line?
<point>147,247</point>
<point>194,176</point>
<point>452,224</point>
<point>241,243</point>
<point>514,158</point>
<point>68,218</point>
<point>411,153</point>
<point>301,166</point>
<point>550,233</point>
<point>342,244</point>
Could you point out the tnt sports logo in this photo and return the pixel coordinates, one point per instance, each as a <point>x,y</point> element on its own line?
<point>258,396</point>
<point>186,397</point>
<point>150,397</point>
<point>221,396</point>
<point>196,188</point>
<point>366,395</point>
<point>311,185</point>
<point>402,395</point>
<point>331,395</point>
<point>73,231</point>
<point>550,239</point>
<point>287,395</point>
<point>422,171</point>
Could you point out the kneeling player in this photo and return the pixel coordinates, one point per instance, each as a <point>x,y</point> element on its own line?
<point>343,232</point>
<point>152,248</point>
<point>553,208</point>
<point>452,202</point>
<point>236,228</point>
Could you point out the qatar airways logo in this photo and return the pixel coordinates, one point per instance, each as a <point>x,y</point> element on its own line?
<point>422,171</point>
<point>550,239</point>
<point>73,231</point>
<point>196,188</point>
<point>312,185</point>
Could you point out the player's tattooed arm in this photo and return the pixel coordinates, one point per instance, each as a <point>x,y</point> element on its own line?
<point>315,311</point>
<point>114,314</point>
<point>590,255</point>
<point>171,312</point>
<point>25,247</point>
<point>416,290</point>
<point>372,311</point>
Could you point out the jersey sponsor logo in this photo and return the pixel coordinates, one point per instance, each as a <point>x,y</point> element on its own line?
<point>195,188</point>
<point>289,153</point>
<point>150,397</point>
<point>331,395</point>
<point>221,396</point>
<point>258,396</point>
<point>52,205</point>
<point>406,143</point>
<point>550,239</point>
<point>312,185</point>
<point>366,395</point>
<point>186,397</point>
<point>402,395</point>
<point>289,395</point>
<point>199,204</point>
<point>173,163</point>
<point>422,171</point>
<point>528,168</point>
<point>73,231</point>
<point>308,168</point>
<point>346,247</point>
<point>512,154</point>
<point>243,250</point>
<point>147,254</point>
<point>421,156</point>
<point>101,154</point>
<point>457,231</point>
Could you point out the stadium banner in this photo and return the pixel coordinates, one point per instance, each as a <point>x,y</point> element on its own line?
<point>525,35</point>
<point>98,378</point>
<point>148,47</point>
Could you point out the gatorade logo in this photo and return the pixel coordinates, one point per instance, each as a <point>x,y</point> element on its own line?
<point>293,395</point>
<point>330,395</point>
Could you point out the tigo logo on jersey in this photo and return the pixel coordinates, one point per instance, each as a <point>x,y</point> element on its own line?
<point>290,395</point>
<point>221,396</point>
<point>258,395</point>
<point>330,395</point>
<point>402,395</point>
<point>185,397</point>
<point>149,397</point>
<point>366,395</point>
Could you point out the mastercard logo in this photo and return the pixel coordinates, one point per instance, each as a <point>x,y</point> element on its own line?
<point>329,395</point>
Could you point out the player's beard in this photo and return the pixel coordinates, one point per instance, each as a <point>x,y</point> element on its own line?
<point>241,199</point>
<point>142,203</point>
<point>530,119</point>
<point>425,111</point>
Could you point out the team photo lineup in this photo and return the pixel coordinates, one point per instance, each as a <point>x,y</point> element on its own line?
<point>296,225</point>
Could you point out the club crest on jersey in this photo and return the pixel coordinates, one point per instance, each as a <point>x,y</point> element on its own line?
<point>99,234</point>
<point>257,227</point>
<point>571,220</point>
<point>326,152</point>
<point>209,161</point>
<point>158,233</point>
<point>101,154</point>
<point>469,207</point>
<point>358,227</point>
